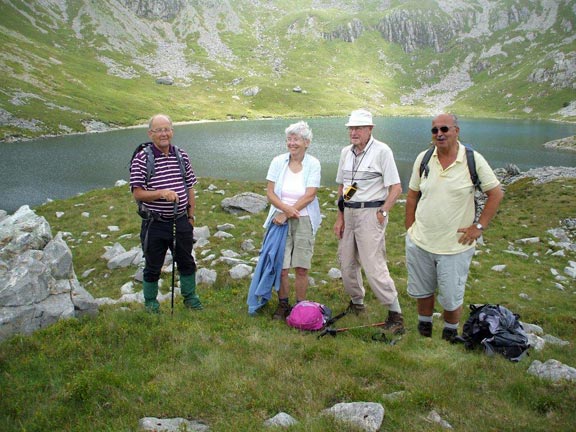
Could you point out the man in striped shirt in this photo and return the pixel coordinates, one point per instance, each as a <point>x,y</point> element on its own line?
<point>167,198</point>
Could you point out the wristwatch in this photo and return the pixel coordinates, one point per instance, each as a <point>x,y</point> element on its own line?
<point>480,226</point>
<point>383,212</point>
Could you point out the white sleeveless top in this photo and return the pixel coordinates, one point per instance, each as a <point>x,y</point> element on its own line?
<point>293,189</point>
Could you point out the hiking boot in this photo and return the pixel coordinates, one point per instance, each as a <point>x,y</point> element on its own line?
<point>151,303</point>
<point>188,291</point>
<point>358,309</point>
<point>394,324</point>
<point>282,311</point>
<point>425,328</point>
<point>449,334</point>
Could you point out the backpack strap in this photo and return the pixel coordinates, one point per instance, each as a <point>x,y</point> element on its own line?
<point>150,160</point>
<point>424,163</point>
<point>471,161</point>
<point>182,166</point>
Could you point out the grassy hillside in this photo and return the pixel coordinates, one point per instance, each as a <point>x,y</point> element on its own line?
<point>234,371</point>
<point>66,64</point>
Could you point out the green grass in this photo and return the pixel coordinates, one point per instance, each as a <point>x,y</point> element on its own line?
<point>234,371</point>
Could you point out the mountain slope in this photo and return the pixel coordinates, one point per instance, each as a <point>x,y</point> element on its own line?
<point>77,65</point>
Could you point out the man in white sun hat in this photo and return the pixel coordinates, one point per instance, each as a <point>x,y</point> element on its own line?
<point>369,185</point>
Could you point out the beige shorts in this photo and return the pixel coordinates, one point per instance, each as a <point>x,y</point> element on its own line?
<point>299,244</point>
<point>429,272</point>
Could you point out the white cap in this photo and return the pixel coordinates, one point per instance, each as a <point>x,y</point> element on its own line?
<point>360,117</point>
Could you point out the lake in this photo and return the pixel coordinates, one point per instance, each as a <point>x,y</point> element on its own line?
<point>54,168</point>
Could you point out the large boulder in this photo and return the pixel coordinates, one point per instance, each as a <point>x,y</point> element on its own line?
<point>38,285</point>
<point>245,202</point>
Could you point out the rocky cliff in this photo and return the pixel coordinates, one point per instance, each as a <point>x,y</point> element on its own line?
<point>497,57</point>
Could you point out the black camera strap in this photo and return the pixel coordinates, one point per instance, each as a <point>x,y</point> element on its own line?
<point>356,167</point>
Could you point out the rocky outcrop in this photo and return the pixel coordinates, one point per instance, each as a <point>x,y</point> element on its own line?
<point>38,285</point>
<point>348,33</point>
<point>154,9</point>
<point>568,143</point>
<point>414,29</point>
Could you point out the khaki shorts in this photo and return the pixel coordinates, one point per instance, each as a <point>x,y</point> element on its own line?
<point>428,272</point>
<point>299,244</point>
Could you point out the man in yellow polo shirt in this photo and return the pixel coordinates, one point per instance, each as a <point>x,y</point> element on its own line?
<point>442,233</point>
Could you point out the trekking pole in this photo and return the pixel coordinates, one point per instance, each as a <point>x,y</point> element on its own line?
<point>337,317</point>
<point>334,331</point>
<point>173,253</point>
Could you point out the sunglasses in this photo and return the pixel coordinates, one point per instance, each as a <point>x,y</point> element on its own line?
<point>443,129</point>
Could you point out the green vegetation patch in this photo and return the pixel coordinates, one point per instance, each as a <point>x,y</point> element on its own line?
<point>235,371</point>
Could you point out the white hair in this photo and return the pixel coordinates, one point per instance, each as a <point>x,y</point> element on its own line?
<point>301,129</point>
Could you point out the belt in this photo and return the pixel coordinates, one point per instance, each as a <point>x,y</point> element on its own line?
<point>369,204</point>
<point>167,218</point>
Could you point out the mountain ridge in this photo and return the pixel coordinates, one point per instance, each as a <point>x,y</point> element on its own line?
<point>68,64</point>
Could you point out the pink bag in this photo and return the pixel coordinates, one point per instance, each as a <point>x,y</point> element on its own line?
<point>308,315</point>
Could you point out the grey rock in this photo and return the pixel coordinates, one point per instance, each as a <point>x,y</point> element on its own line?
<point>536,342</point>
<point>229,253</point>
<point>434,417</point>
<point>38,285</point>
<point>367,416</point>
<point>552,370</point>
<point>112,251</point>
<point>248,245</point>
<point>245,202</point>
<point>334,273</point>
<point>251,91</point>
<point>165,81</point>
<point>178,424</point>
<point>201,233</point>
<point>532,328</point>
<point>517,253</point>
<point>223,234</point>
<point>225,227</point>
<point>554,340</point>
<point>529,240</point>
<point>240,271</point>
<point>125,259</point>
<point>58,257</point>
<point>206,276</point>
<point>281,420</point>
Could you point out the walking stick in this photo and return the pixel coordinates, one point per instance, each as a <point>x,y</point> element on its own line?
<point>173,253</point>
<point>378,337</point>
<point>334,331</point>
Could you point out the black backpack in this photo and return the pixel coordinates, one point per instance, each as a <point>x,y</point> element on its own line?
<point>497,330</point>
<point>150,169</point>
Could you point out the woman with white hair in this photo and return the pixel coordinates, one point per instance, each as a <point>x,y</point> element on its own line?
<point>293,180</point>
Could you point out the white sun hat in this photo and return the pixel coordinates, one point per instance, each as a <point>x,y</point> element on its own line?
<point>360,117</point>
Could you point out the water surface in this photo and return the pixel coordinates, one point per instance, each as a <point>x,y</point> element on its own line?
<point>53,168</point>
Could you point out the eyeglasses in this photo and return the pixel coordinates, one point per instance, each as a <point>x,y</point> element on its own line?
<point>443,129</point>
<point>161,130</point>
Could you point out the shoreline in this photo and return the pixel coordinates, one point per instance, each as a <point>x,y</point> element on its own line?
<point>103,128</point>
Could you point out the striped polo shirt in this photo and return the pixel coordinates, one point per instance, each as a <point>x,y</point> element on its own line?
<point>167,175</point>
